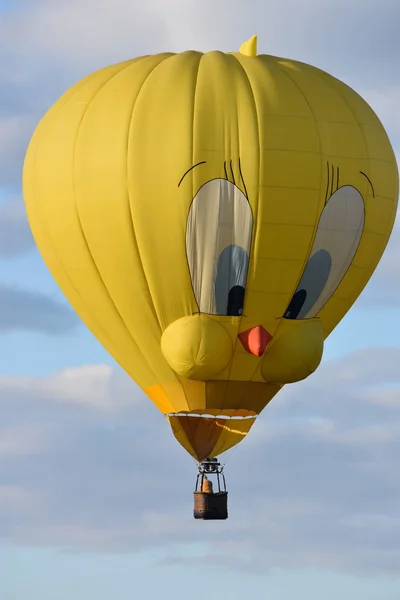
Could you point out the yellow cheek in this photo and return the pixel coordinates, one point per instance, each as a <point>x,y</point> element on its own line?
<point>197,347</point>
<point>295,353</point>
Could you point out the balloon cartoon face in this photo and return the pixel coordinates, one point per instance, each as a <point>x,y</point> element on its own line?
<point>218,246</point>
<point>211,217</point>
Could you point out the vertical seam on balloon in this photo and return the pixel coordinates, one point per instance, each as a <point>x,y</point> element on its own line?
<point>342,97</point>
<point>176,377</point>
<point>191,202</point>
<point>197,298</point>
<point>48,235</point>
<point>230,366</point>
<point>315,229</point>
<point>128,194</point>
<point>134,237</point>
<point>192,196</point>
<point>257,118</point>
<point>79,219</point>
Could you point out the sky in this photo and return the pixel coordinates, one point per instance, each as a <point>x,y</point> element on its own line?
<point>95,493</point>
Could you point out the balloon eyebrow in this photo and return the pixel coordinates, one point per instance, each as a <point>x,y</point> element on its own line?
<point>203,162</point>
<point>370,183</point>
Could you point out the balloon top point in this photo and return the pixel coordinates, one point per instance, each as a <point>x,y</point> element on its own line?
<point>249,48</point>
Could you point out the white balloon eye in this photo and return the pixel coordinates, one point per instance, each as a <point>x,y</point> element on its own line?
<point>336,242</point>
<point>218,240</point>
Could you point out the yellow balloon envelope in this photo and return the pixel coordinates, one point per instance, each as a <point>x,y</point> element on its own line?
<point>211,217</point>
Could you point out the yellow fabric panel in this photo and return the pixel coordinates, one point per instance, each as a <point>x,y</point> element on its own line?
<point>205,437</point>
<point>343,120</point>
<point>371,245</point>
<point>276,299</point>
<point>339,138</point>
<point>195,394</point>
<point>198,434</point>
<point>177,396</point>
<point>318,92</point>
<point>274,241</point>
<point>376,142</point>
<point>282,167</point>
<point>241,368</point>
<point>386,181</point>
<point>199,397</point>
<point>293,134</point>
<point>296,208</point>
<point>210,350</point>
<point>223,139</point>
<point>336,305</point>
<point>232,433</point>
<point>180,435</point>
<point>305,172</point>
<point>280,278</point>
<point>254,395</point>
<point>295,352</point>
<point>281,96</point>
<point>375,137</point>
<point>168,398</point>
<point>354,278</point>
<point>160,151</point>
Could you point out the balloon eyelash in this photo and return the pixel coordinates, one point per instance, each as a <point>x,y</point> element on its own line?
<point>232,180</point>
<point>332,184</point>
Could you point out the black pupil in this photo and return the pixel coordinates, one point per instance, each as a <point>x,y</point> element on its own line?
<point>235,301</point>
<point>296,304</point>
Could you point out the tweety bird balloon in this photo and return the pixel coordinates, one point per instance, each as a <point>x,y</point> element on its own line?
<point>211,217</point>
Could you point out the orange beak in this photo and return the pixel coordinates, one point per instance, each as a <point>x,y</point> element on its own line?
<point>255,340</point>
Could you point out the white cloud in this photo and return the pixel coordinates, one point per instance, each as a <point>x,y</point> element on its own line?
<point>384,288</point>
<point>15,234</point>
<point>97,20</point>
<point>315,479</point>
<point>23,439</point>
<point>33,311</point>
<point>16,501</point>
<point>387,396</point>
<point>15,132</point>
<point>89,386</point>
<point>96,32</point>
<point>86,30</point>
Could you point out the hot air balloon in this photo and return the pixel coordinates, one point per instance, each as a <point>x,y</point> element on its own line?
<point>211,218</point>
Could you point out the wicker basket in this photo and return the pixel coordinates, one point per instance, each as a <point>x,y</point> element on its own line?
<point>209,506</point>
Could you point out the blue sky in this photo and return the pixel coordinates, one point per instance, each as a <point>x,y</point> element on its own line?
<point>81,515</point>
